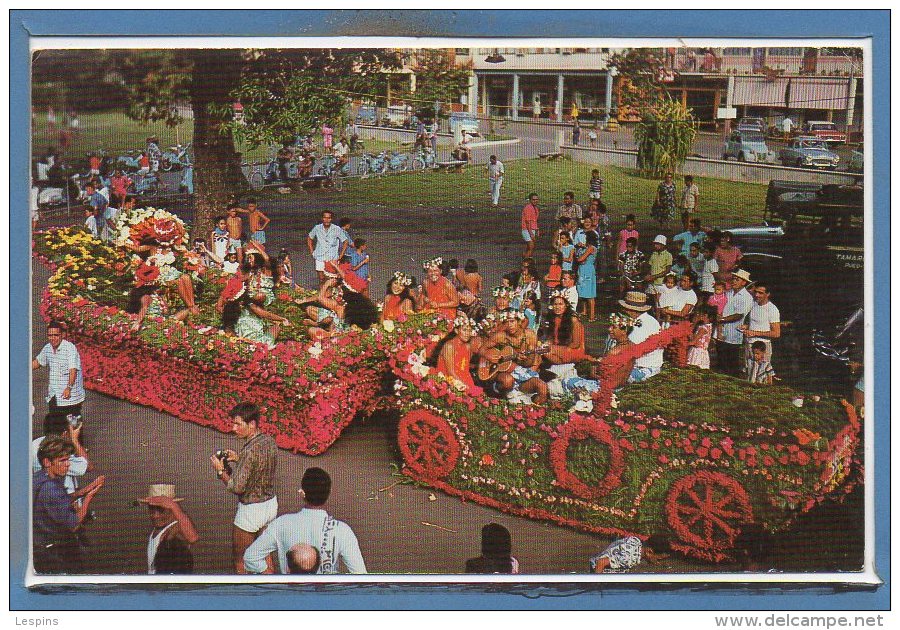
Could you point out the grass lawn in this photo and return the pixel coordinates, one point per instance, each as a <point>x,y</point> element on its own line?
<point>116,133</point>
<point>722,203</point>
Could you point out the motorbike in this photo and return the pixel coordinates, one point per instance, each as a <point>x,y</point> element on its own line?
<point>129,162</point>
<point>425,158</point>
<point>175,157</point>
<point>328,167</point>
<point>371,164</point>
<point>398,161</point>
<point>148,185</point>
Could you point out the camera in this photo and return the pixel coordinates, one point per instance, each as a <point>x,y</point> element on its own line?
<point>222,456</point>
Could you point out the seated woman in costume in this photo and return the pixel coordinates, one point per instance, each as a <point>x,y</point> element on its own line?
<point>144,300</point>
<point>455,354</point>
<point>398,303</point>
<point>563,332</point>
<point>161,256</point>
<point>336,309</point>
<point>242,306</point>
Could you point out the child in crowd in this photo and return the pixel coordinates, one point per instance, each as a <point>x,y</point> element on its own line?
<point>627,233</point>
<point>287,268</point>
<point>258,222</point>
<point>631,266</point>
<point>90,221</point>
<point>469,278</point>
<point>231,264</point>
<point>532,310</point>
<point>235,226</point>
<point>566,251</point>
<point>719,298</point>
<point>595,187</point>
<point>359,263</point>
<point>565,227</point>
<point>554,277</point>
<point>218,239</point>
<point>696,260</point>
<point>681,265</point>
<point>663,296</point>
<point>698,351</point>
<point>759,371</point>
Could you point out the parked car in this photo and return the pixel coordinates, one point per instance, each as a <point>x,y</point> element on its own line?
<point>825,131</point>
<point>810,238</point>
<point>751,124</point>
<point>808,152</point>
<point>857,160</point>
<point>748,146</point>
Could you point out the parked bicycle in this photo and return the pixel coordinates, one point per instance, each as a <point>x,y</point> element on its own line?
<point>425,158</point>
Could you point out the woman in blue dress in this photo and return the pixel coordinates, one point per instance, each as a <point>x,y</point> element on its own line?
<point>587,276</point>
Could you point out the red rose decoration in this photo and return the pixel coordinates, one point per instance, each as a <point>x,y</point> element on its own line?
<point>146,274</point>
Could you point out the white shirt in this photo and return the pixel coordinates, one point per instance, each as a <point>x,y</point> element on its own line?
<point>495,171</point>
<point>107,233</point>
<point>230,266</point>
<point>761,318</point>
<point>707,279</point>
<point>305,526</point>
<point>648,327</point>
<point>43,171</point>
<point>77,466</point>
<point>571,294</point>
<point>91,224</point>
<point>665,295</point>
<point>738,303</point>
<point>341,150</point>
<point>153,547</point>
<point>679,298</point>
<point>786,125</point>
<point>62,360</point>
<point>328,242</point>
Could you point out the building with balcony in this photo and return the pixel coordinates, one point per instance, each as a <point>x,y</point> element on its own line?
<point>543,83</point>
<point>771,83</point>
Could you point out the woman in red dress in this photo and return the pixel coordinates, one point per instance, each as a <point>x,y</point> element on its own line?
<point>455,358</point>
<point>398,303</point>
<point>439,294</point>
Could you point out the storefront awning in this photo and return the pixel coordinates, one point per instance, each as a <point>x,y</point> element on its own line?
<point>792,92</point>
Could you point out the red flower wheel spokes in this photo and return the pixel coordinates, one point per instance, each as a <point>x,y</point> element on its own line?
<point>582,429</point>
<point>706,510</point>
<point>428,444</point>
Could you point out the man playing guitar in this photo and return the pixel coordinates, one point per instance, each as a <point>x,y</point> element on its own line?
<point>511,357</point>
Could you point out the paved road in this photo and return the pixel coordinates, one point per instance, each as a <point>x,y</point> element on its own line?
<point>135,446</point>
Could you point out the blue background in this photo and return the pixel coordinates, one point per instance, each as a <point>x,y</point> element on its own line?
<point>768,24</point>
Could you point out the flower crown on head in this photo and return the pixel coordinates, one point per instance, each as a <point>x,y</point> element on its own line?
<point>511,315</point>
<point>557,293</point>
<point>464,320</point>
<point>620,320</point>
<point>434,263</point>
<point>501,292</point>
<point>402,278</point>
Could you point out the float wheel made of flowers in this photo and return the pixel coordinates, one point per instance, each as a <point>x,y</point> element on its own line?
<point>428,444</point>
<point>581,428</point>
<point>706,511</point>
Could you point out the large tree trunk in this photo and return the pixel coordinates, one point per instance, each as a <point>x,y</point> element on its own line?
<point>217,165</point>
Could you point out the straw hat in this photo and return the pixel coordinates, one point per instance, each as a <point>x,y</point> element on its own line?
<point>161,490</point>
<point>743,275</point>
<point>635,301</point>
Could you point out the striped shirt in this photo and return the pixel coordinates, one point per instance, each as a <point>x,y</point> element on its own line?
<point>61,361</point>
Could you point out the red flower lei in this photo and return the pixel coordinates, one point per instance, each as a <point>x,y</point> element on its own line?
<point>145,274</point>
<point>581,428</point>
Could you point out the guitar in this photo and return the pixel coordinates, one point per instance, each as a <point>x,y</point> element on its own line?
<point>503,359</point>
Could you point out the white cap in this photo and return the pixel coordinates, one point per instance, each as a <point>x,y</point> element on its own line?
<point>660,238</point>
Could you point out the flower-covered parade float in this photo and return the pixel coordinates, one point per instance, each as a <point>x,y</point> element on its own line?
<point>183,362</point>
<point>689,454</point>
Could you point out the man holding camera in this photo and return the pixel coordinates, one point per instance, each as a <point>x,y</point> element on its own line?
<point>252,479</point>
